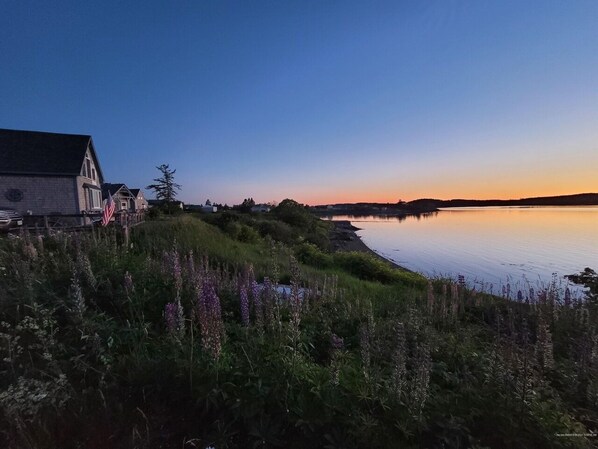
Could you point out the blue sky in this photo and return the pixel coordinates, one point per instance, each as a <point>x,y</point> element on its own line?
<point>321,101</point>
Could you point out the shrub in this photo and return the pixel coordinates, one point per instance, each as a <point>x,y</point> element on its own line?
<point>154,213</point>
<point>309,254</point>
<point>278,230</point>
<point>368,267</point>
<point>247,234</point>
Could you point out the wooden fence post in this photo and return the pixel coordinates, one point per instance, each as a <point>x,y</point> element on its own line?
<point>125,225</point>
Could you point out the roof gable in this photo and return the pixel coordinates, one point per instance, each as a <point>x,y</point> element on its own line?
<point>41,153</point>
<point>115,189</point>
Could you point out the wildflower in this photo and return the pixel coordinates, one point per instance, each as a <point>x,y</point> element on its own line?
<point>128,283</point>
<point>85,269</point>
<point>399,359</point>
<point>257,305</point>
<point>295,300</point>
<point>544,348</point>
<point>175,319</point>
<point>430,298</point>
<point>519,296</point>
<point>421,378</point>
<point>244,306</point>
<point>268,301</point>
<point>365,337</point>
<point>30,252</point>
<point>337,345</point>
<point>210,318</point>
<point>77,296</point>
<point>171,266</point>
<point>567,297</point>
<point>454,301</point>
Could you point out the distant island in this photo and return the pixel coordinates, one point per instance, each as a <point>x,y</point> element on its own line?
<point>425,205</point>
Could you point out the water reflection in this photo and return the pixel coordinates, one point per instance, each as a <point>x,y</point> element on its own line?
<point>492,246</point>
<point>381,217</point>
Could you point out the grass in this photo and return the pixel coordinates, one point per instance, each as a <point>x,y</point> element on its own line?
<point>181,340</point>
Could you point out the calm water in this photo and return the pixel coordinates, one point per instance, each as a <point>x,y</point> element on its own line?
<point>522,246</point>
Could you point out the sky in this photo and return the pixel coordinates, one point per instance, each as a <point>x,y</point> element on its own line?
<point>319,101</point>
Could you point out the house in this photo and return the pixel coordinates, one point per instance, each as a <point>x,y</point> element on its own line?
<point>121,195</point>
<point>209,209</point>
<point>49,173</point>
<point>140,201</point>
<point>260,208</point>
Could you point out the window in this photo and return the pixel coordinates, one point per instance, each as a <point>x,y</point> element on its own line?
<point>94,199</point>
<point>93,174</point>
<point>123,205</point>
<point>88,167</point>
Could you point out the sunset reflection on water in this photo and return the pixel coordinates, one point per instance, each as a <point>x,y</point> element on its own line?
<point>491,246</point>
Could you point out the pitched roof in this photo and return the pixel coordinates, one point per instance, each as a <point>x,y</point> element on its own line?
<point>41,153</point>
<point>114,188</point>
<point>135,192</point>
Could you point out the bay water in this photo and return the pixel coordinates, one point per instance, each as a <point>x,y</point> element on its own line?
<point>522,247</point>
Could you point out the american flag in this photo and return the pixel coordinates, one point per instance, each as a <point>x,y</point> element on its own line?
<point>109,207</point>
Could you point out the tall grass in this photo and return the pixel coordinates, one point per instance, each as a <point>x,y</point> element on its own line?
<point>184,340</point>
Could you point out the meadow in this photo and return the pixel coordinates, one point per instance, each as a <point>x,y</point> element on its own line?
<point>183,339</point>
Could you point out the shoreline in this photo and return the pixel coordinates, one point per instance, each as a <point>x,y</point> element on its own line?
<point>343,238</point>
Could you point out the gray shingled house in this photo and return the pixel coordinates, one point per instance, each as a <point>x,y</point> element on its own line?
<point>121,195</point>
<point>49,173</point>
<point>140,201</point>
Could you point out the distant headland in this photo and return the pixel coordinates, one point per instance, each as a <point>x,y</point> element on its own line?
<point>425,205</point>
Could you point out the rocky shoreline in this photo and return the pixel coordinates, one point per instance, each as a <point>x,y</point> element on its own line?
<point>344,238</point>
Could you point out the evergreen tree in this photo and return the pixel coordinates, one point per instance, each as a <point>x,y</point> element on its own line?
<point>165,188</point>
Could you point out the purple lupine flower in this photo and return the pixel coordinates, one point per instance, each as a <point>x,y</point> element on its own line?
<point>365,348</point>
<point>295,300</point>
<point>399,359</point>
<point>175,318</point>
<point>268,299</point>
<point>256,298</point>
<point>337,343</point>
<point>244,306</point>
<point>461,281</point>
<point>519,295</point>
<point>210,318</point>
<point>532,295</point>
<point>128,283</point>
<point>170,316</point>
<point>177,273</point>
<point>171,267</point>
<point>567,297</point>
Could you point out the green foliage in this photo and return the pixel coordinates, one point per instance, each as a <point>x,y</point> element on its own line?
<point>367,358</point>
<point>309,254</point>
<point>589,279</point>
<point>293,213</point>
<point>368,267</point>
<point>154,213</point>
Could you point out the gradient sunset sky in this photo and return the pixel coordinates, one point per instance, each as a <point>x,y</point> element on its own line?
<point>320,101</point>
